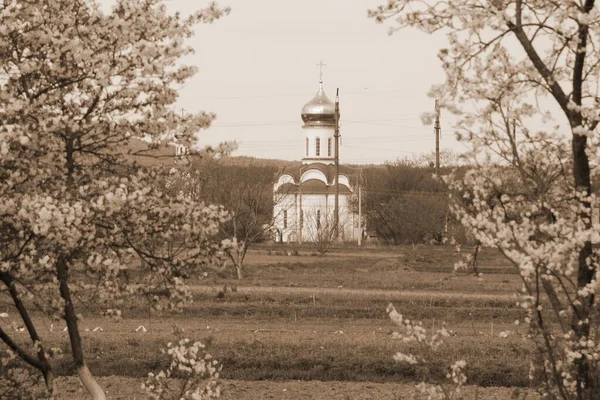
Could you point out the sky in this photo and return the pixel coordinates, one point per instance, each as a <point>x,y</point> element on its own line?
<point>257,67</point>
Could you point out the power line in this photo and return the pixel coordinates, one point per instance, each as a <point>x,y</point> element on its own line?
<point>383,124</point>
<point>367,160</point>
<point>353,140</point>
<point>278,95</point>
<point>378,149</point>
<point>415,192</point>
<point>282,145</point>
<point>295,122</point>
<point>411,138</point>
<point>242,124</point>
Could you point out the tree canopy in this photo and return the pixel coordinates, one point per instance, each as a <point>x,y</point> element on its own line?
<point>76,84</point>
<point>522,78</point>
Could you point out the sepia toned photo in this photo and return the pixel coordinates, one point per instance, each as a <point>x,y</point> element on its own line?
<point>326,199</point>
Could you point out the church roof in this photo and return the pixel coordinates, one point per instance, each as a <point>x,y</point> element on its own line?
<point>312,186</point>
<point>320,111</point>
<point>327,169</point>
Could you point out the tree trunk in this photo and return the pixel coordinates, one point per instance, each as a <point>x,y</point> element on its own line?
<point>583,305</point>
<point>580,323</point>
<point>237,256</point>
<point>238,269</point>
<point>581,173</point>
<point>84,373</point>
<point>90,384</point>
<point>239,262</point>
<point>42,364</point>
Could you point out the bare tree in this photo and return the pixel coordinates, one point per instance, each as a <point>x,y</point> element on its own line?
<point>246,193</point>
<point>321,229</point>
<point>403,203</point>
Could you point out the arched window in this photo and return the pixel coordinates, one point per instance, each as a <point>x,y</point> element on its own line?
<point>318,147</point>
<point>306,147</point>
<point>284,219</point>
<point>329,147</point>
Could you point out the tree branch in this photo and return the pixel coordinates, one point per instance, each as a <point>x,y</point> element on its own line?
<point>555,88</point>
<point>43,365</point>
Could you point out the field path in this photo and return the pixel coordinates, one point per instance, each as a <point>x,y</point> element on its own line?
<point>119,388</point>
<point>371,293</point>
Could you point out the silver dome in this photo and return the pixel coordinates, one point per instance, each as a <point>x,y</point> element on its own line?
<point>319,111</point>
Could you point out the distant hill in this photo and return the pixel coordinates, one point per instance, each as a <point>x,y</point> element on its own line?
<point>365,166</point>
<point>243,161</point>
<point>139,151</point>
<point>246,160</point>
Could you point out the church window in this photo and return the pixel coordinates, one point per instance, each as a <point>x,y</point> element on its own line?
<point>284,219</point>
<point>329,147</point>
<point>306,147</point>
<point>318,219</point>
<point>318,147</point>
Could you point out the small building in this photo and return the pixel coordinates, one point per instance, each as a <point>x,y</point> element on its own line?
<point>304,194</point>
<point>144,154</point>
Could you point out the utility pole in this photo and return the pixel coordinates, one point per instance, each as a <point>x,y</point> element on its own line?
<point>336,135</point>
<point>360,208</point>
<point>438,134</point>
<point>300,216</point>
<point>437,130</point>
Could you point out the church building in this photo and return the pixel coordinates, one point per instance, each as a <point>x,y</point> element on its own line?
<point>305,194</point>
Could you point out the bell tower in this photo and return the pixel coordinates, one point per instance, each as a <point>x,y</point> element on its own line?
<point>318,116</point>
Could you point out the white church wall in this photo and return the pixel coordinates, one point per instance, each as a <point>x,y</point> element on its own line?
<point>321,220</point>
<point>289,220</point>
<point>284,216</point>
<point>349,226</point>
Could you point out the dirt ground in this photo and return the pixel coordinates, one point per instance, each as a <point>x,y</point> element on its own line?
<point>356,293</point>
<point>337,320</point>
<point>128,388</point>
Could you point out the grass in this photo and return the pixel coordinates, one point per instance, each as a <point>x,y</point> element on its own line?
<point>292,306</point>
<point>323,318</point>
<point>300,353</point>
<point>366,267</point>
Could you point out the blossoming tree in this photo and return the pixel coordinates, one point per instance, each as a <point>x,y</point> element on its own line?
<point>512,65</point>
<point>76,84</point>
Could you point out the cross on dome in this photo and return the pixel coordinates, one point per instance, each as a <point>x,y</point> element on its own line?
<point>321,65</point>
